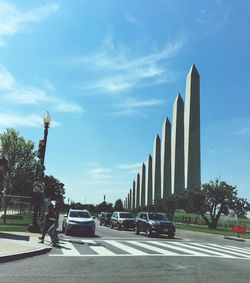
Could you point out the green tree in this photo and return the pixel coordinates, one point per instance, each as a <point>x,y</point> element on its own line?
<point>216,198</point>
<point>104,206</point>
<point>54,189</point>
<point>21,162</point>
<point>167,205</point>
<point>118,205</point>
<point>20,154</point>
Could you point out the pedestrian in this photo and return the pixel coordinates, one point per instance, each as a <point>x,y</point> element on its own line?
<point>53,228</point>
<point>48,222</point>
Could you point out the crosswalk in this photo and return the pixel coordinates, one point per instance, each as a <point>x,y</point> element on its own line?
<point>127,248</point>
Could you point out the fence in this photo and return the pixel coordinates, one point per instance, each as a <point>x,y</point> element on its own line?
<point>14,207</point>
<point>223,224</point>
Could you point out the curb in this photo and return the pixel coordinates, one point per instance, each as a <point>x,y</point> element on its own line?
<point>12,257</point>
<point>234,239</point>
<point>13,236</point>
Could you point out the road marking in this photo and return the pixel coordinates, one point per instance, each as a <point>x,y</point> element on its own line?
<point>245,251</point>
<point>181,249</point>
<point>100,250</point>
<point>202,247</point>
<point>225,249</point>
<point>164,248</point>
<point>69,250</point>
<point>152,248</point>
<point>240,249</point>
<point>126,248</point>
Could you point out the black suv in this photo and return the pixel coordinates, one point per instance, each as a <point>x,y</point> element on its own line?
<point>154,223</point>
<point>105,218</point>
<point>122,219</point>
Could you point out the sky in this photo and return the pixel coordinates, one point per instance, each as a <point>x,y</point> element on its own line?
<point>109,71</point>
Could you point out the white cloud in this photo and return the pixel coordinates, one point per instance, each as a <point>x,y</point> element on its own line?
<point>244,130</point>
<point>131,105</point>
<point>28,95</point>
<point>31,95</point>
<point>12,121</point>
<point>133,20</point>
<point>100,173</point>
<point>6,80</point>
<point>118,71</point>
<point>13,20</point>
<point>129,166</point>
<point>63,106</point>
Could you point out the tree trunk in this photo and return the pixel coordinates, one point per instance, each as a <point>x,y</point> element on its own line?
<point>213,224</point>
<point>5,211</point>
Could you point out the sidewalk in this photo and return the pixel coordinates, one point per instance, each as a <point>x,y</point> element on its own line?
<point>18,245</point>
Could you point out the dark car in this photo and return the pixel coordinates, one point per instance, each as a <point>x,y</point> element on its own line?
<point>105,218</point>
<point>122,219</point>
<point>154,223</point>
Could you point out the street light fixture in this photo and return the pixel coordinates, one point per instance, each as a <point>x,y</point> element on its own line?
<point>39,185</point>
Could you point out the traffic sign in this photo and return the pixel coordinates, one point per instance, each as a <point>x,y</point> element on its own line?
<point>38,187</point>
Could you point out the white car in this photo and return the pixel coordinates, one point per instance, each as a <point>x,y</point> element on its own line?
<point>79,221</point>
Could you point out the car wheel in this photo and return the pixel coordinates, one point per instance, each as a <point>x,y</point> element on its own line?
<point>137,230</point>
<point>119,226</point>
<point>67,232</point>
<point>171,236</point>
<point>148,232</point>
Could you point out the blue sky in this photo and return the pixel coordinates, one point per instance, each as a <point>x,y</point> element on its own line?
<point>109,71</point>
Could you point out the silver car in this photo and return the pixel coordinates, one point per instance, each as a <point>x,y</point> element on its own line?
<point>78,221</point>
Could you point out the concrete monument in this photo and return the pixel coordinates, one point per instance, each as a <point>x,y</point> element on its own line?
<point>149,181</point>
<point>177,151</point>
<point>143,169</point>
<point>138,191</point>
<point>166,160</point>
<point>192,131</point>
<point>157,169</point>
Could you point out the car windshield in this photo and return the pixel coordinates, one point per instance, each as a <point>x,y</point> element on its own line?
<point>80,214</point>
<point>156,216</point>
<point>126,215</point>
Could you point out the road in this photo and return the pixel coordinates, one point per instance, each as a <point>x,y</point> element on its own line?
<point>114,256</point>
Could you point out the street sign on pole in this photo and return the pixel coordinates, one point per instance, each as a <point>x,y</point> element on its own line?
<point>38,187</point>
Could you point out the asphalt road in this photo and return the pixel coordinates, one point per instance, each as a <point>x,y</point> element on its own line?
<point>121,256</point>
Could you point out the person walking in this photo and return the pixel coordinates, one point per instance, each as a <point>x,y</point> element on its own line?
<point>53,228</point>
<point>48,222</point>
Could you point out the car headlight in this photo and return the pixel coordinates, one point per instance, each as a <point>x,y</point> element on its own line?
<point>154,223</point>
<point>120,220</point>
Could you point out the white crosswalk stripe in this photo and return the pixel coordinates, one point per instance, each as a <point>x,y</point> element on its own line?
<point>152,248</point>
<point>181,249</point>
<point>232,250</point>
<point>126,248</point>
<point>100,250</point>
<point>90,248</point>
<point>69,250</point>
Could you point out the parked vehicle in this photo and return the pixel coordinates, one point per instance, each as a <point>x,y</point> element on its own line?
<point>79,221</point>
<point>122,219</point>
<point>105,218</point>
<point>154,223</point>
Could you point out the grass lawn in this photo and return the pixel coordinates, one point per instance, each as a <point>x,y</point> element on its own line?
<point>17,225</point>
<point>218,231</point>
<point>222,229</point>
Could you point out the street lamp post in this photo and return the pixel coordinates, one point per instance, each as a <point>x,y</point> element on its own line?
<point>39,185</point>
